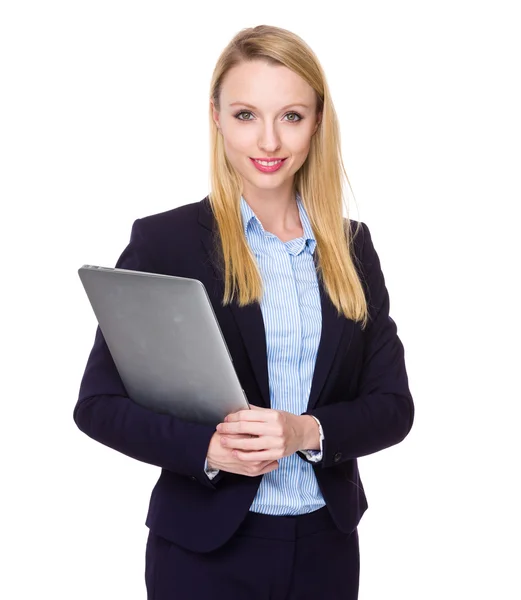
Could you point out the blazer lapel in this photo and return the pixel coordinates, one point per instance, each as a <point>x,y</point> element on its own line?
<point>251,325</point>
<point>333,328</point>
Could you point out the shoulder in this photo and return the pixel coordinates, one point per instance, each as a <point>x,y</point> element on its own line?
<point>358,234</point>
<point>170,221</point>
<point>363,252</point>
<point>164,238</point>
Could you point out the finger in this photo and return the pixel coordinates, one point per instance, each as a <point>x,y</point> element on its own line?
<point>256,456</point>
<point>271,466</point>
<point>267,463</point>
<point>246,427</point>
<point>254,414</point>
<point>255,443</point>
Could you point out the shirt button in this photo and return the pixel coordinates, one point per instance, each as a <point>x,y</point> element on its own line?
<point>337,456</point>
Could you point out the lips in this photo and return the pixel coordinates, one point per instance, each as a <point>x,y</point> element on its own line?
<point>263,159</point>
<point>269,168</point>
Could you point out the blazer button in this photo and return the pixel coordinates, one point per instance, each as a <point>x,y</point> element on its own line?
<point>193,478</point>
<point>337,456</point>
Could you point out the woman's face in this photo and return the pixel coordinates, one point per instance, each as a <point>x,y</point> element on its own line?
<point>267,112</point>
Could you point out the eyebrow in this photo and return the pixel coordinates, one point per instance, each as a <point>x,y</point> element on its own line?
<point>283,108</point>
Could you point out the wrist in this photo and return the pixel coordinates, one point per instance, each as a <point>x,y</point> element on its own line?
<point>310,433</point>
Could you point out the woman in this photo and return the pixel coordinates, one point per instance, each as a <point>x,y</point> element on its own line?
<point>266,504</point>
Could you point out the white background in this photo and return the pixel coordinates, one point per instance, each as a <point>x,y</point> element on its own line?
<point>104,120</point>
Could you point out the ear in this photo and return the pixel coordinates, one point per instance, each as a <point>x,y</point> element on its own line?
<point>215,114</point>
<point>319,120</point>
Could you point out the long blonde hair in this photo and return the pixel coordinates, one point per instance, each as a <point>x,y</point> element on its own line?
<point>318,181</point>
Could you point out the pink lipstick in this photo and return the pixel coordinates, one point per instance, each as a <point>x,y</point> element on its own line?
<point>270,164</point>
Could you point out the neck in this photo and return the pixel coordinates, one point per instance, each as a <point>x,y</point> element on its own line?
<point>275,209</point>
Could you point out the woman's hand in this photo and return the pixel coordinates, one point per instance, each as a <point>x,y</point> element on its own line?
<point>222,458</point>
<point>264,434</point>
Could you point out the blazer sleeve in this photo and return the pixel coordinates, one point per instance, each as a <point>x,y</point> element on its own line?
<point>382,413</point>
<point>106,413</point>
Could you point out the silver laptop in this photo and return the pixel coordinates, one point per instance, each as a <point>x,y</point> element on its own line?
<point>166,342</point>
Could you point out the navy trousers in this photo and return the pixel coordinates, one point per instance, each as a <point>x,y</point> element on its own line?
<point>268,558</point>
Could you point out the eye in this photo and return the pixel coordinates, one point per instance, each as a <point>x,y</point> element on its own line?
<point>295,116</point>
<point>243,112</point>
<point>294,120</point>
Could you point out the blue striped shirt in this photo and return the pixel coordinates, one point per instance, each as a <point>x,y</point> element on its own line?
<point>291,311</point>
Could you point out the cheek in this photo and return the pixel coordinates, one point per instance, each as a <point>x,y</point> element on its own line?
<point>236,151</point>
<point>301,151</point>
<point>238,140</point>
<point>300,142</point>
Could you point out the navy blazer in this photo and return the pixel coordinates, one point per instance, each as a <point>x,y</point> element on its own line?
<point>359,391</point>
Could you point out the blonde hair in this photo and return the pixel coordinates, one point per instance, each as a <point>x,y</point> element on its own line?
<point>318,181</point>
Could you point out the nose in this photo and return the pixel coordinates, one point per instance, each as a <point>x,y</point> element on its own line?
<point>269,139</point>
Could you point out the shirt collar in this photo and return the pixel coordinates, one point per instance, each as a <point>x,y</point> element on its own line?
<point>249,219</point>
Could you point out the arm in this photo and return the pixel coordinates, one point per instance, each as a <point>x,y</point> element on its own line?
<point>315,456</point>
<point>106,413</point>
<point>382,414</point>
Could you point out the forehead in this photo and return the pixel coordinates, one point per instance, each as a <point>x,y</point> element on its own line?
<point>263,85</point>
